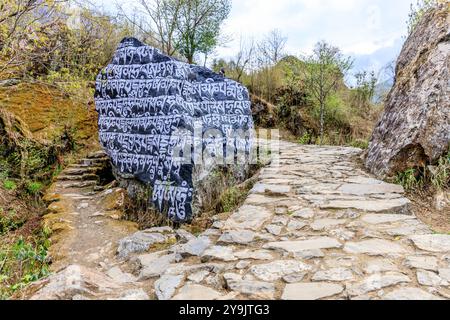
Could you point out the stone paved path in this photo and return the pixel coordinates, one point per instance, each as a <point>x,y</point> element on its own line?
<point>316,227</point>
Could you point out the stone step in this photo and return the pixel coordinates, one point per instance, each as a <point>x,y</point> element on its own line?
<point>79,171</point>
<point>85,177</point>
<point>80,185</point>
<point>93,162</point>
<point>97,155</point>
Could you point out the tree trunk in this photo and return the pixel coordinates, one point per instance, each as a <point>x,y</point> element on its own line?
<point>322,120</point>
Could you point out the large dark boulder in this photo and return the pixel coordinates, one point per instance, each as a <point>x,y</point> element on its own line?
<point>415,127</point>
<point>180,130</point>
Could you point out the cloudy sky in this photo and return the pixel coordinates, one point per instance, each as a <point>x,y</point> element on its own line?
<point>370,30</point>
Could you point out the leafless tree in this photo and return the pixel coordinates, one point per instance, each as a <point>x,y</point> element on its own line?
<point>272,46</point>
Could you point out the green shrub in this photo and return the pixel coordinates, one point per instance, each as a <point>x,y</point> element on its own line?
<point>440,174</point>
<point>9,185</point>
<point>305,139</point>
<point>23,262</point>
<point>359,143</point>
<point>34,188</point>
<point>409,179</point>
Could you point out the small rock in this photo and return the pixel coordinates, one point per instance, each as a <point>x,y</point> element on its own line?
<point>237,237</point>
<point>322,224</point>
<point>432,242</point>
<point>254,255</point>
<point>309,254</point>
<point>336,274</point>
<point>218,253</point>
<point>194,247</point>
<point>153,265</point>
<point>242,264</point>
<point>199,276</point>
<point>379,265</point>
<point>445,274</point>
<point>134,295</point>
<point>428,278</point>
<point>273,229</point>
<point>295,225</point>
<point>254,289</point>
<point>311,244</point>
<point>117,274</point>
<point>295,277</point>
<point>166,285</point>
<point>306,213</point>
<point>410,294</point>
<point>422,262</point>
<point>192,292</point>
<point>138,243</point>
<point>373,247</point>
<point>277,269</point>
<point>310,291</point>
<point>376,282</point>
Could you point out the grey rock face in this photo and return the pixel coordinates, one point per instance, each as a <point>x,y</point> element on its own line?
<point>415,126</point>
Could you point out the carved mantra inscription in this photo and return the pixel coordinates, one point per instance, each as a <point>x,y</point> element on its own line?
<point>159,117</point>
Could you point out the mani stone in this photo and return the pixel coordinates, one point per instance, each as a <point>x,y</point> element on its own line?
<point>154,110</point>
<point>310,291</point>
<point>414,127</point>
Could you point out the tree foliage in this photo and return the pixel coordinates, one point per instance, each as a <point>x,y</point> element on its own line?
<point>187,27</point>
<point>323,71</point>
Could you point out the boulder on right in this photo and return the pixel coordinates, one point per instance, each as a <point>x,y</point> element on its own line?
<point>415,127</point>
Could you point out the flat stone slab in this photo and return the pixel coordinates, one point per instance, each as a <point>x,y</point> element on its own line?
<point>302,245</point>
<point>270,188</point>
<point>321,224</point>
<point>237,237</point>
<point>410,294</point>
<point>432,242</point>
<point>277,269</point>
<point>335,274</point>
<point>193,292</point>
<point>363,189</point>
<point>218,253</point>
<point>421,262</point>
<point>310,291</point>
<point>376,282</point>
<point>396,205</point>
<point>166,285</point>
<point>154,266</point>
<point>385,218</point>
<point>248,217</point>
<point>251,288</point>
<point>374,247</point>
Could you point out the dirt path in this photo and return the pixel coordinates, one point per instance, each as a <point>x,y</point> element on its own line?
<point>315,227</point>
